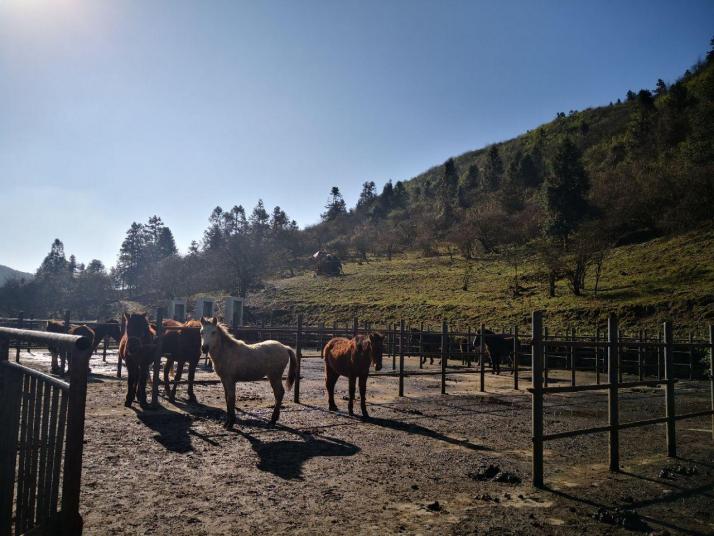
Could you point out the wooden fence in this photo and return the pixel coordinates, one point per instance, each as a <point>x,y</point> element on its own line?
<point>42,439</point>
<point>613,346</point>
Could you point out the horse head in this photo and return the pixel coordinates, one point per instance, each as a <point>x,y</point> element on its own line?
<point>138,332</point>
<point>373,345</point>
<point>209,333</point>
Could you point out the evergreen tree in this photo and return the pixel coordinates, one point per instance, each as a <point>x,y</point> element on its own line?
<point>55,262</point>
<point>130,264</point>
<point>493,169</point>
<point>564,192</point>
<point>336,205</point>
<point>367,195</point>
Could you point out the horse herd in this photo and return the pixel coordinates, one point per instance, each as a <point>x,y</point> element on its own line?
<point>236,361</point>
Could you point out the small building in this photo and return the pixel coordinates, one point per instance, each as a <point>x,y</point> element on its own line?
<point>233,311</point>
<point>204,307</point>
<point>177,309</point>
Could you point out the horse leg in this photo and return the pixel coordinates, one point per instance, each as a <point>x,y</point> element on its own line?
<point>191,374</point>
<point>55,366</point>
<point>141,388</point>
<point>131,383</point>
<point>363,394</point>
<point>353,383</point>
<point>279,391</point>
<point>230,392</point>
<point>177,378</point>
<point>330,380</point>
<point>167,369</point>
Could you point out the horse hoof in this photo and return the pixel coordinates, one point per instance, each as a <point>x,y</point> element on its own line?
<point>127,403</point>
<point>192,400</point>
<point>333,408</point>
<point>228,426</point>
<point>144,405</point>
<point>365,416</point>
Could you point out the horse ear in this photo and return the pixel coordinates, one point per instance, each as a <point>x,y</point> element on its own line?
<point>203,320</point>
<point>214,321</point>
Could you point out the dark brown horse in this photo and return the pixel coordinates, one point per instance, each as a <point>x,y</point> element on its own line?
<point>499,347</point>
<point>137,348</point>
<point>352,358</point>
<point>96,334</point>
<point>181,345</point>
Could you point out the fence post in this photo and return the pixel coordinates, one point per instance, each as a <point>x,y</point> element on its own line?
<point>157,356</point>
<point>444,354</point>
<point>572,357</point>
<point>421,346</point>
<point>711,370</point>
<point>394,348</point>
<point>597,355</point>
<point>401,358</point>
<point>355,326</point>
<point>20,325</point>
<point>537,398</point>
<point>669,391</point>
<point>298,355</point>
<point>691,357</point>
<point>516,348</point>
<point>612,399</point>
<point>10,390</point>
<point>640,367</point>
<point>72,475</point>
<point>63,354</point>
<point>659,355</point>
<point>545,356</point>
<point>482,347</point>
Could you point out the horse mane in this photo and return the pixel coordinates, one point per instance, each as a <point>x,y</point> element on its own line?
<point>192,324</point>
<point>225,334</point>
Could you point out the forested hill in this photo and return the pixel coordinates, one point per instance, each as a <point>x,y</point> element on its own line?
<point>638,168</point>
<point>7,273</point>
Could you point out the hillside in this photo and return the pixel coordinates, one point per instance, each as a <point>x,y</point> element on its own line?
<point>644,283</point>
<point>7,273</point>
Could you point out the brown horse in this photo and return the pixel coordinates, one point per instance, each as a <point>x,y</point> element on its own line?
<point>352,358</point>
<point>137,348</point>
<point>181,345</point>
<point>96,334</point>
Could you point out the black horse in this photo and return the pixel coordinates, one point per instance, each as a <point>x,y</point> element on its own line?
<point>499,347</point>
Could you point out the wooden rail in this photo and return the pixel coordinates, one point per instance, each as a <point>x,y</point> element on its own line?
<point>42,439</point>
<point>613,346</point>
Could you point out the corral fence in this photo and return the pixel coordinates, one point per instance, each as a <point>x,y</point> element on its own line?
<point>614,348</point>
<point>41,438</point>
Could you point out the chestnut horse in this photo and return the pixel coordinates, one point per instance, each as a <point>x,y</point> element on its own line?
<point>181,345</point>
<point>352,358</point>
<point>137,348</point>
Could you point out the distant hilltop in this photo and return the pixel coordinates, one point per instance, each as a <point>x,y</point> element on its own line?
<point>7,273</point>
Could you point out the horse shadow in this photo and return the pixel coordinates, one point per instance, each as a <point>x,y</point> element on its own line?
<point>285,458</point>
<point>173,429</point>
<point>409,428</point>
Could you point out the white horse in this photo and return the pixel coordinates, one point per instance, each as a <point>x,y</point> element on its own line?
<point>235,361</point>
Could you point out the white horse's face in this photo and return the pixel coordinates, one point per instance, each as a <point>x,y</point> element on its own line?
<point>209,333</point>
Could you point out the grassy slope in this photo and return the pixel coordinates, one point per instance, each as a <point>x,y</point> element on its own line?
<point>644,283</point>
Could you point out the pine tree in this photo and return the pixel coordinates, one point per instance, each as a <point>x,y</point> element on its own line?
<point>564,192</point>
<point>55,261</point>
<point>336,205</point>
<point>493,170</point>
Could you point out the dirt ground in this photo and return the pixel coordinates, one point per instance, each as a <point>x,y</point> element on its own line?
<point>175,470</point>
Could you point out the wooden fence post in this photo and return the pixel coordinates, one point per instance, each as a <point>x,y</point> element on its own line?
<point>516,348</point>
<point>157,356</point>
<point>545,357</point>
<point>20,325</point>
<point>482,348</point>
<point>355,326</point>
<point>444,354</point>
<point>394,347</point>
<point>63,354</point>
<point>298,355</point>
<point>659,355</point>
<point>711,370</point>
<point>640,364</point>
<point>10,389</point>
<point>468,346</point>
<point>691,357</point>
<point>597,355</point>
<point>612,399</point>
<point>401,358</point>
<point>421,346</point>
<point>537,398</point>
<point>72,474</point>
<point>669,391</point>
<point>572,357</point>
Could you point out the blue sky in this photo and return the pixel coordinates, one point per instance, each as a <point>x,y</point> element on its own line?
<point>112,111</point>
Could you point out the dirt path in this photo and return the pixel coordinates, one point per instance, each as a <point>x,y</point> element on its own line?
<point>176,471</point>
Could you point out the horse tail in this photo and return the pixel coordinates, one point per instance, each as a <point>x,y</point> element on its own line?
<point>292,371</point>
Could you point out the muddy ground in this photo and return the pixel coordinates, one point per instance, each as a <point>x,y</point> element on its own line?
<point>175,470</point>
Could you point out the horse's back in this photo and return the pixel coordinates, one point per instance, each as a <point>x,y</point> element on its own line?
<point>339,355</point>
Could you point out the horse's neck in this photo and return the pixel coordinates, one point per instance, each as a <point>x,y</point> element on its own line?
<point>229,348</point>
